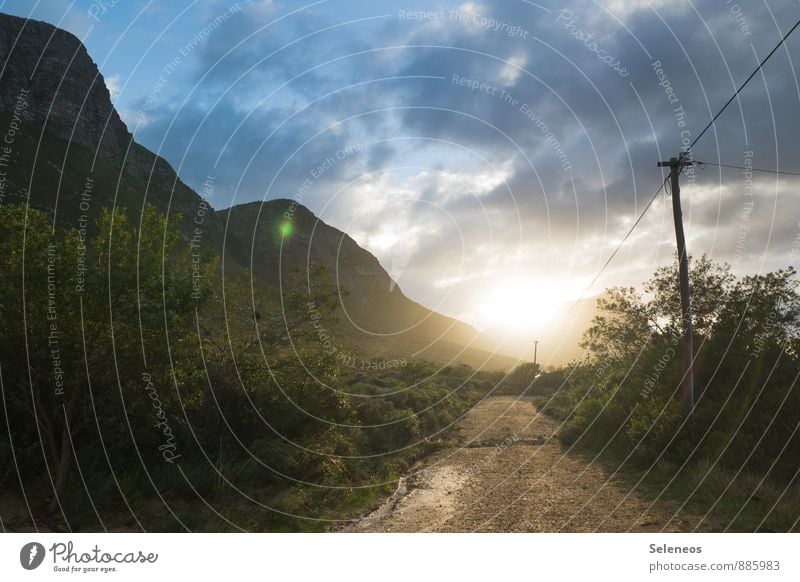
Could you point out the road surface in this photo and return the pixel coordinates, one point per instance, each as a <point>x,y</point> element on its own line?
<point>510,474</point>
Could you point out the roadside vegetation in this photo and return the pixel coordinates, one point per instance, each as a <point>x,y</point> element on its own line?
<point>737,457</point>
<point>142,391</point>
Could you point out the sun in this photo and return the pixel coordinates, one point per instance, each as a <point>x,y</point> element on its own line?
<point>524,305</point>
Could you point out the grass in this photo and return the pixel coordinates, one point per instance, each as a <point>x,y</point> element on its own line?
<point>741,502</point>
<point>709,497</point>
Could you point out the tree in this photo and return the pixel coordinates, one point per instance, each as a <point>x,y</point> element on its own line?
<point>746,364</point>
<point>84,325</point>
<point>709,282</point>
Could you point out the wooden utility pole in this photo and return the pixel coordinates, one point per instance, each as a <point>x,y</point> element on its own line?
<point>535,349</point>
<point>687,385</point>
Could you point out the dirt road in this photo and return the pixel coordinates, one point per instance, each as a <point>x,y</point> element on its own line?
<point>510,474</point>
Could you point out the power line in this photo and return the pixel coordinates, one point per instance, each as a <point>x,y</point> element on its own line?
<point>753,74</point>
<point>689,149</point>
<point>749,169</point>
<point>622,242</point>
<point>676,166</point>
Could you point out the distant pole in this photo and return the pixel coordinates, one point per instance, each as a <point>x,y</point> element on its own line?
<point>535,349</point>
<point>687,385</point>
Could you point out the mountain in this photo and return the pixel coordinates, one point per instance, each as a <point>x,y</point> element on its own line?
<point>374,302</point>
<point>283,237</point>
<point>72,155</point>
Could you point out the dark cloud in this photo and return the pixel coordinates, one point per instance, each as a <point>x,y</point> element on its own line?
<point>557,199</point>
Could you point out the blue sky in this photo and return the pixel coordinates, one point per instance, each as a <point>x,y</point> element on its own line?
<point>488,147</point>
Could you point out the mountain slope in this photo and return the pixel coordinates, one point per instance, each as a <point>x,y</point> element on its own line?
<point>374,302</point>
<point>278,239</point>
<point>71,155</point>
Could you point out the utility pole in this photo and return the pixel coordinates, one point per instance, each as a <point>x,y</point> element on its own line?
<point>687,385</point>
<point>535,349</point>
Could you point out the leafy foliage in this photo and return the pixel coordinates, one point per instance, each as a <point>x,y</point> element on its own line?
<point>624,399</point>
<point>140,384</point>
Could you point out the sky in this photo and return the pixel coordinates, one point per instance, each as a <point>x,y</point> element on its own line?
<point>491,154</point>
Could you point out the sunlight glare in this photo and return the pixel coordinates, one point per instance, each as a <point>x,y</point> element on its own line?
<point>524,305</point>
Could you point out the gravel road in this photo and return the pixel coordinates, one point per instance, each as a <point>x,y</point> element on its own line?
<point>510,474</point>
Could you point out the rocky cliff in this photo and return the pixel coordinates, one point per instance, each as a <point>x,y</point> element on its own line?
<point>65,91</point>
<point>67,134</point>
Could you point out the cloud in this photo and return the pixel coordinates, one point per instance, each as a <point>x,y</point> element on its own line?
<point>113,85</point>
<point>624,8</point>
<point>540,164</point>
